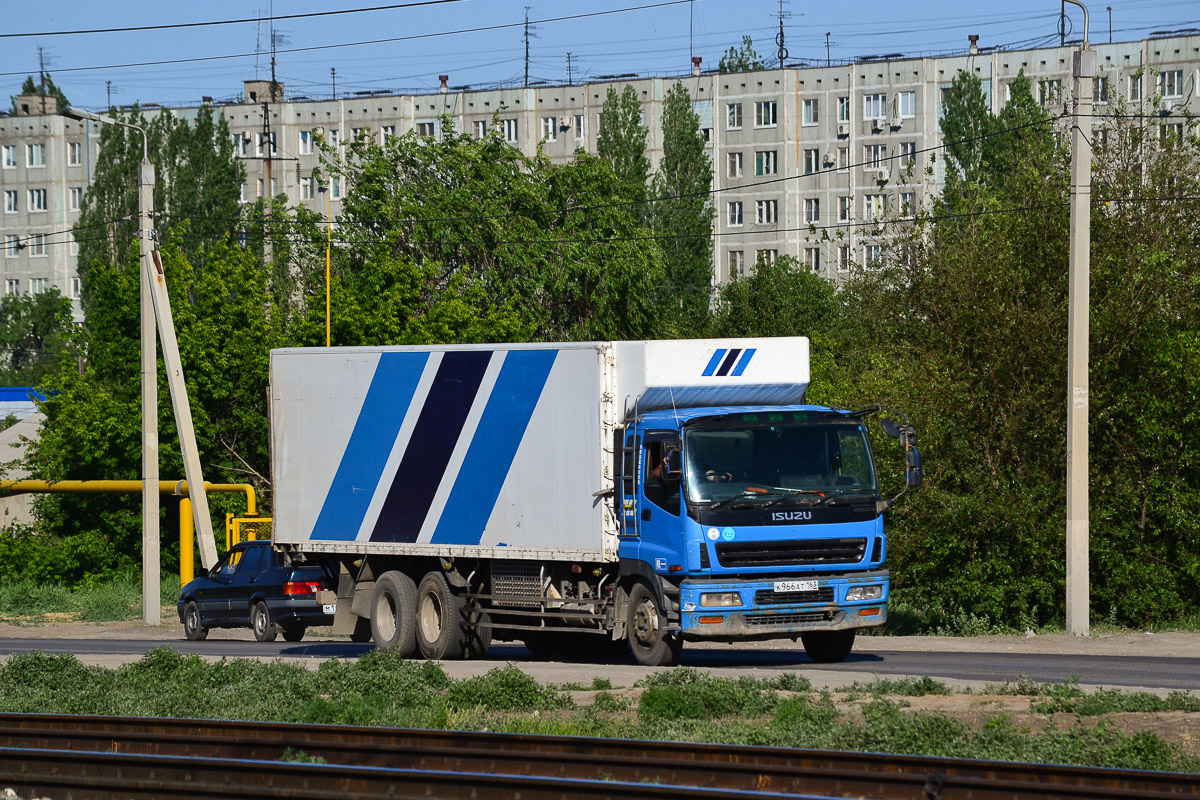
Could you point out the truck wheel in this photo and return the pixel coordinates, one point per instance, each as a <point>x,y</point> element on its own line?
<point>192,628</point>
<point>362,630</point>
<point>265,629</point>
<point>394,613</point>
<point>477,636</point>
<point>439,619</point>
<point>650,644</point>
<point>828,647</point>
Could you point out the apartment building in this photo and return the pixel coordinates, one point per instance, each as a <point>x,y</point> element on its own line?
<point>805,160</point>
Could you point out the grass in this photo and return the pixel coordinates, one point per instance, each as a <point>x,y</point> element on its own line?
<point>28,602</point>
<point>1069,698</point>
<point>681,704</point>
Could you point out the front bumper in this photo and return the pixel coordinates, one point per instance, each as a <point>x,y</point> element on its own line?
<point>766,614</point>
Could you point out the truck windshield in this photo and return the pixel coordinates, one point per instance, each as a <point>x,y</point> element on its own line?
<point>793,458</point>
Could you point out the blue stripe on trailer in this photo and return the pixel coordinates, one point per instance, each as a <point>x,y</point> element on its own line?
<point>494,446</point>
<point>430,446</point>
<point>728,363</point>
<point>745,362</point>
<point>391,390</point>
<point>713,363</point>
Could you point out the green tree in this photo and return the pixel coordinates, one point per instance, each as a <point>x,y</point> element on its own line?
<point>741,59</point>
<point>966,122</point>
<point>33,332</point>
<point>44,86</point>
<point>682,213</point>
<point>622,141</point>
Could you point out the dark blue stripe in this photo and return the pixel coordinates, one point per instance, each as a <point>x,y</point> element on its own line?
<point>389,395</point>
<point>433,439</point>
<point>494,446</point>
<point>743,363</point>
<point>728,363</point>
<point>713,362</point>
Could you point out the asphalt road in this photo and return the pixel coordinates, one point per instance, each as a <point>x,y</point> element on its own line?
<point>871,657</point>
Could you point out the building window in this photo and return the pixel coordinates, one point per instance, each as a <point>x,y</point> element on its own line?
<point>875,206</point>
<point>274,187</point>
<point>75,252</point>
<point>510,129</point>
<point>1100,90</point>
<point>1135,88</point>
<point>335,138</point>
<point>306,140</point>
<point>12,243</point>
<point>75,198</point>
<point>764,114</point>
<point>737,262</point>
<point>260,188</point>
<point>843,155</point>
<point>306,188</point>
<point>579,125</point>
<point>735,214</point>
<point>1171,83</point>
<point>12,287</point>
<point>35,155</point>
<point>873,255</point>
<point>735,165</point>
<point>812,258</point>
<point>811,117</point>
<point>906,104</point>
<point>908,204</point>
<point>812,210</point>
<point>1049,91</point>
<point>10,156</point>
<point>908,154</point>
<point>386,132</point>
<point>766,256</point>
<point>844,206</point>
<point>260,140</point>
<point>766,212</point>
<point>10,201</point>
<point>764,162</point>
<point>37,285</point>
<point>874,106</point>
<point>812,161</point>
<point>876,155</point>
<point>74,154</point>
<point>245,192</point>
<point>426,130</point>
<point>335,187</point>
<point>241,145</point>
<point>843,109</point>
<point>37,244</point>
<point>549,129</point>
<point>480,126</point>
<point>73,285</point>
<point>1170,133</point>
<point>733,117</point>
<point>357,132</point>
<point>37,199</point>
<point>843,258</point>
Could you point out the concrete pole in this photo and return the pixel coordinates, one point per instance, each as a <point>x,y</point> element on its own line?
<point>151,594</point>
<point>1078,582</point>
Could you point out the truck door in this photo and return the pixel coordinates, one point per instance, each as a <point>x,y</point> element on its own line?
<point>658,506</point>
<point>628,453</point>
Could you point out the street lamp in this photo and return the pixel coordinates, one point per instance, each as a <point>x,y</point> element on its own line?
<point>156,306</point>
<point>151,596</point>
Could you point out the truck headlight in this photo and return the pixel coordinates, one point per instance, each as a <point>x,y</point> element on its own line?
<point>872,592</point>
<point>711,599</point>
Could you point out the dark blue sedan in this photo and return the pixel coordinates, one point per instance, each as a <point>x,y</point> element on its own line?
<point>258,586</point>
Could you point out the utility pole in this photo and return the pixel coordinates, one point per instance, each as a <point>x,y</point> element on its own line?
<point>1062,23</point>
<point>151,547</point>
<point>827,48</point>
<point>526,47</point>
<point>568,69</point>
<point>108,92</point>
<point>1078,580</point>
<point>779,38</point>
<point>333,76</point>
<point>1109,24</point>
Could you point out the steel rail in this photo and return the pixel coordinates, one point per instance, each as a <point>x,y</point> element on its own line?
<point>735,768</point>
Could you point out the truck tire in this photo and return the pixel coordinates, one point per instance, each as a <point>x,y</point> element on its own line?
<point>828,647</point>
<point>192,628</point>
<point>265,629</point>
<point>394,613</point>
<point>439,619</point>
<point>650,644</point>
<point>477,636</point>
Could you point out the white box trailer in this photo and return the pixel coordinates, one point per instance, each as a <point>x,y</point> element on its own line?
<point>467,491</point>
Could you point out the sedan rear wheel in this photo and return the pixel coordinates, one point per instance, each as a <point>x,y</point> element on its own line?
<point>265,629</point>
<point>192,628</point>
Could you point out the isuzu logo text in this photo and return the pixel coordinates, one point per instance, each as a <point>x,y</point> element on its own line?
<point>790,516</point>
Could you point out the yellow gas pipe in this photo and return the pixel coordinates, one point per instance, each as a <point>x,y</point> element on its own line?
<point>178,488</point>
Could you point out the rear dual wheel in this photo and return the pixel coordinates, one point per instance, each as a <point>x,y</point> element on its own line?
<point>393,613</point>
<point>439,619</point>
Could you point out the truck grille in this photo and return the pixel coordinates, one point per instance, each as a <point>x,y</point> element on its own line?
<point>765,597</point>
<point>780,620</point>
<point>791,553</point>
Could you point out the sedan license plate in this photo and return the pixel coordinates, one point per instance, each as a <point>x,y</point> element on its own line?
<point>795,586</point>
<point>329,608</point>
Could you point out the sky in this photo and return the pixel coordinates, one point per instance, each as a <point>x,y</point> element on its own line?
<point>404,46</point>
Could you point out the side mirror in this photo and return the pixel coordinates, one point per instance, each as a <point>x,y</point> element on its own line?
<point>890,427</point>
<point>912,473</point>
<point>672,462</point>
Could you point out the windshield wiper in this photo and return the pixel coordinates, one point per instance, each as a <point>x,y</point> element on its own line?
<point>792,495</point>
<point>753,493</point>
<point>837,493</point>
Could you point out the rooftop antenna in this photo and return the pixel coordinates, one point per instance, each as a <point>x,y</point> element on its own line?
<point>568,69</point>
<point>333,76</point>
<point>779,38</point>
<point>527,35</point>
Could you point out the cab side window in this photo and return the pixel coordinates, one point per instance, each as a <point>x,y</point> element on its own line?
<point>659,490</point>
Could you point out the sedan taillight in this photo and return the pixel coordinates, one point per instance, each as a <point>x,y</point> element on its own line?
<point>301,587</point>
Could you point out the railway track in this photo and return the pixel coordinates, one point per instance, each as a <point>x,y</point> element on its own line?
<point>58,756</point>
